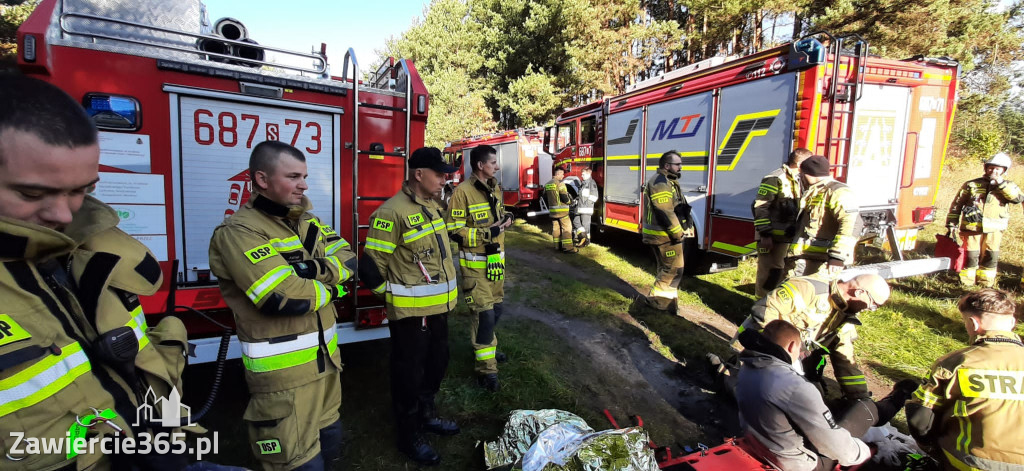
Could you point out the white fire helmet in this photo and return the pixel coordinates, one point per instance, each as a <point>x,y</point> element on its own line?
<point>1000,160</point>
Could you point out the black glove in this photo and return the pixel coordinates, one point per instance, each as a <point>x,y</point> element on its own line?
<point>307,269</point>
<point>337,291</point>
<point>814,365</point>
<point>508,217</point>
<point>495,267</point>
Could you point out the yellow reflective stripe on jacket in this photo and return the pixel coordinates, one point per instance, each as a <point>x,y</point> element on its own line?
<point>963,441</point>
<point>284,245</point>
<point>421,295</point>
<point>655,230</point>
<point>379,245</point>
<point>486,353</point>
<point>852,380</point>
<point>661,194</point>
<point>260,357</point>
<point>43,379</point>
<point>928,399</point>
<point>343,272</point>
<point>333,248</point>
<point>323,295</point>
<point>769,188</point>
<point>456,225</point>
<point>551,186</point>
<point>138,324</point>
<point>268,282</point>
<point>381,288</point>
<point>472,260</point>
<point>414,234</point>
<point>479,206</point>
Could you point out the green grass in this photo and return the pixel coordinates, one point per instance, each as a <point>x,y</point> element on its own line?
<point>900,340</point>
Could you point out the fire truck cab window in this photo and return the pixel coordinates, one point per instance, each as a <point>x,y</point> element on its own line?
<point>588,131</point>
<point>566,135</point>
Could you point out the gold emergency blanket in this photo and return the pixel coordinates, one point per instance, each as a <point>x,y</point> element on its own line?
<point>555,440</point>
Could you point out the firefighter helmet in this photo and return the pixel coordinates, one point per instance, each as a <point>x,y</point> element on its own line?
<point>1000,160</point>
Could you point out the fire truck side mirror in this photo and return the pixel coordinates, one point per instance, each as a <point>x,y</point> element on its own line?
<point>547,139</point>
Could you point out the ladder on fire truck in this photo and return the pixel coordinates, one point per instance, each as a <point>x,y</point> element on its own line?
<point>845,90</point>
<point>843,93</point>
<point>380,79</point>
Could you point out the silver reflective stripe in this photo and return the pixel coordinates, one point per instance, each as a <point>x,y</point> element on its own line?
<point>585,211</point>
<point>47,382</point>
<point>475,257</point>
<point>284,245</point>
<point>267,349</point>
<point>422,290</point>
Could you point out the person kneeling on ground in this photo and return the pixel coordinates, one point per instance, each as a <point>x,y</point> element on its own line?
<point>968,411</point>
<point>784,418</point>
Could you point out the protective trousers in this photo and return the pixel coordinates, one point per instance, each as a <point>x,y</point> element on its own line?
<point>561,233</point>
<point>983,248</point>
<point>796,266</point>
<point>484,298</point>
<point>668,277</point>
<point>771,267</point>
<point>285,427</point>
<point>419,360</point>
<point>581,224</point>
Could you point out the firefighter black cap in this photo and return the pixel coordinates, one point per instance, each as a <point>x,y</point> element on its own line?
<point>429,157</point>
<point>815,166</point>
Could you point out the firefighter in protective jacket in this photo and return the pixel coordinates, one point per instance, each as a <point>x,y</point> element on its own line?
<point>775,210</point>
<point>557,198</point>
<point>408,260</point>
<point>280,269</point>
<point>74,343</point>
<point>666,221</point>
<point>971,405</point>
<point>828,212</point>
<point>980,212</point>
<point>826,315</point>
<point>476,220</point>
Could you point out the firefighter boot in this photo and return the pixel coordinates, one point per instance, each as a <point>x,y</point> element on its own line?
<point>489,382</point>
<point>892,403</point>
<point>418,449</point>
<point>987,277</point>
<point>967,276</point>
<point>437,425</point>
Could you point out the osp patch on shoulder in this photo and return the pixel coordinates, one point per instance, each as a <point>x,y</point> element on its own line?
<point>480,215</point>
<point>383,224</point>
<point>10,331</point>
<point>458,213</point>
<point>661,200</point>
<point>269,447</point>
<point>261,253</point>
<point>416,218</point>
<point>828,418</point>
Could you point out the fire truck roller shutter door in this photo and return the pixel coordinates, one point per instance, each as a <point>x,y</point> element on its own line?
<point>877,149</point>
<point>508,163</point>
<point>211,163</point>
<point>684,125</point>
<point>755,133</point>
<point>622,176</point>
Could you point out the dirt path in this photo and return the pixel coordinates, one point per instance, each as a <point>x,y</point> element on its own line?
<point>712,322</point>
<point>635,379</point>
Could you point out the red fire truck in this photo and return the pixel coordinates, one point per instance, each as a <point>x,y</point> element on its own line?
<point>883,124</point>
<point>523,165</point>
<point>180,103</point>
